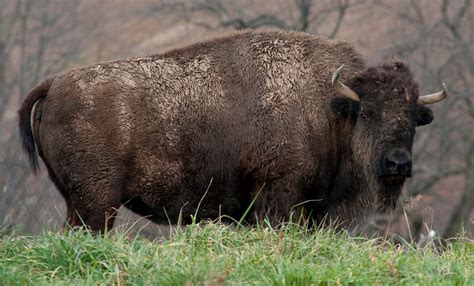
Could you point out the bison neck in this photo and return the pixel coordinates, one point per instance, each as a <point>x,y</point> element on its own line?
<point>341,189</point>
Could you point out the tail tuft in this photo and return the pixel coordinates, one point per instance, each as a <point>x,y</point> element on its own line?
<point>26,133</point>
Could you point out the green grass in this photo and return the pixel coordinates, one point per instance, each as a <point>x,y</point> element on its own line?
<point>216,254</point>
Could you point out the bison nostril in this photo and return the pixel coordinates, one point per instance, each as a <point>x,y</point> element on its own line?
<point>398,160</point>
<point>390,163</point>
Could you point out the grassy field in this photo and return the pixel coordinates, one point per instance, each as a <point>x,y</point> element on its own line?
<point>215,254</point>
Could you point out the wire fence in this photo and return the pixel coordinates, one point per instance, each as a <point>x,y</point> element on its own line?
<point>28,203</point>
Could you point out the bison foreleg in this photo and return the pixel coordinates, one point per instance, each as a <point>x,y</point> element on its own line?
<point>273,202</point>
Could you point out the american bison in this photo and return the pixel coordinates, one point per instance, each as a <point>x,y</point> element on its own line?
<point>270,119</point>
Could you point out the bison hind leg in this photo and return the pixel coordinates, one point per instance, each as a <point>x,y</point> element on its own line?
<point>97,219</point>
<point>94,207</point>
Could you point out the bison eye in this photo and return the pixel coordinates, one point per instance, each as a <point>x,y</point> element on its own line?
<point>364,116</point>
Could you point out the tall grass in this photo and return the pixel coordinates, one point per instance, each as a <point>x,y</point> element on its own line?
<point>215,254</point>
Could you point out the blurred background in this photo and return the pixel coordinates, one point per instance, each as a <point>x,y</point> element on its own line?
<point>435,37</point>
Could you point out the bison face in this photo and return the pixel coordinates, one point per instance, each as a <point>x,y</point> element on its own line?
<point>384,107</point>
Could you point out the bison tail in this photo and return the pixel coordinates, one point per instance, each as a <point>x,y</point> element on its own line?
<point>26,133</point>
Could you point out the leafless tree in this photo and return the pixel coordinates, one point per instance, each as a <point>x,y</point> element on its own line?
<point>298,15</point>
<point>37,38</point>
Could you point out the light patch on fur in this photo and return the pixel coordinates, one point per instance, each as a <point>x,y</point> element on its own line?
<point>124,119</point>
<point>284,69</point>
<point>89,79</point>
<point>116,80</point>
<point>128,80</point>
<point>407,96</point>
<point>192,88</point>
<point>87,97</point>
<point>82,84</point>
<point>83,126</point>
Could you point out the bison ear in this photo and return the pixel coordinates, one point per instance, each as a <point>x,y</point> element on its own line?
<point>424,116</point>
<point>344,107</point>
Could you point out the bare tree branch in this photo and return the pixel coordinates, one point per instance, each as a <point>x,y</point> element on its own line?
<point>303,21</point>
<point>343,5</point>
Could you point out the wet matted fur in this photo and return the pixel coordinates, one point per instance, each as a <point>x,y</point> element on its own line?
<point>254,112</point>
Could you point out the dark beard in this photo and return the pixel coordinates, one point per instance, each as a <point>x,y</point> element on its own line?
<point>388,197</point>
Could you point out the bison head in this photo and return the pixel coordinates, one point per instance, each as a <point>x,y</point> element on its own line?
<point>384,106</point>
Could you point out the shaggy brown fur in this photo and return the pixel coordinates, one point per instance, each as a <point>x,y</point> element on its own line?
<point>254,112</point>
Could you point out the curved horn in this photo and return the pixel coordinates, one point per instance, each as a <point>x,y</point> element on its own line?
<point>434,97</point>
<point>342,88</point>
